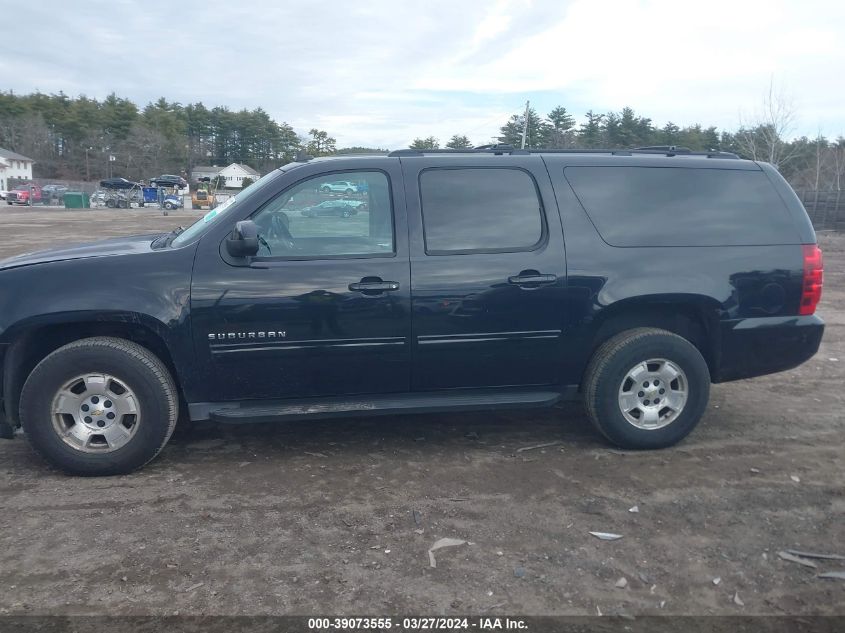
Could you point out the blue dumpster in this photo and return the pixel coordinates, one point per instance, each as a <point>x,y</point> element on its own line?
<point>150,195</point>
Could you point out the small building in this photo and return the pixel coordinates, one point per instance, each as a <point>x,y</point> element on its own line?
<point>204,171</point>
<point>15,166</point>
<point>235,174</point>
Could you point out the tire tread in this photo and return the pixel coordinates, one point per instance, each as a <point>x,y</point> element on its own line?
<point>603,357</point>
<point>129,348</point>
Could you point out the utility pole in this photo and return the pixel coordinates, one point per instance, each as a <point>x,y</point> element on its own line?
<point>525,124</point>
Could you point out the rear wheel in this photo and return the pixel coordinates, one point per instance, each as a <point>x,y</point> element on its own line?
<point>99,406</point>
<point>646,388</point>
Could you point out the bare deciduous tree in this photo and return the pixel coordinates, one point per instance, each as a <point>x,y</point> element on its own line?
<point>765,135</point>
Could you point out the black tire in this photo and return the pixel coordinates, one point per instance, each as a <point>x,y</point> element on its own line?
<point>346,213</point>
<point>607,371</point>
<point>137,367</point>
<point>349,192</point>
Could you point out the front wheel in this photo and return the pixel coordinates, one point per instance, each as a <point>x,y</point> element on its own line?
<point>646,388</point>
<point>99,406</point>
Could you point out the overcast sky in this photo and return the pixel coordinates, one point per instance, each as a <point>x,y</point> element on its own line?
<point>381,72</point>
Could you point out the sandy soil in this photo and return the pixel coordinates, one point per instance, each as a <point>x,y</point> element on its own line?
<point>338,516</point>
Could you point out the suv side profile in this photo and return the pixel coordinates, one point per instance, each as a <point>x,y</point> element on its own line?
<point>340,186</point>
<point>468,280</point>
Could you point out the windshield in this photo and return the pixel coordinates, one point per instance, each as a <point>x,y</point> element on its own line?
<point>225,208</point>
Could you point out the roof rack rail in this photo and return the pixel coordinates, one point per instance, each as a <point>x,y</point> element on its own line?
<point>669,149</point>
<point>481,149</point>
<point>498,150</point>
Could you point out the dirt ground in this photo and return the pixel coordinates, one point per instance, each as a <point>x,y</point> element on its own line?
<point>337,516</point>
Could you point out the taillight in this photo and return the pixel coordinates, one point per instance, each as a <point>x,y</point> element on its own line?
<point>811,291</point>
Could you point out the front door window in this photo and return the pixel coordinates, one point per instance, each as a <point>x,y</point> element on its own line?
<point>326,218</point>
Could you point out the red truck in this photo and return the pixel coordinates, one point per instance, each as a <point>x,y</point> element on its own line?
<point>20,195</point>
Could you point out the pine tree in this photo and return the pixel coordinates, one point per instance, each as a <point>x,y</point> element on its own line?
<point>459,142</point>
<point>591,134</point>
<point>561,134</point>
<point>670,134</point>
<point>537,135</point>
<point>321,144</point>
<point>425,143</point>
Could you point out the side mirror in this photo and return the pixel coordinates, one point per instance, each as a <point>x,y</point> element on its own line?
<point>243,242</point>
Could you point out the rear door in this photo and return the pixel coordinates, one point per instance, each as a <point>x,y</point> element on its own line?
<point>488,272</point>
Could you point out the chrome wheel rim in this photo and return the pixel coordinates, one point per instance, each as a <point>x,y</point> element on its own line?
<point>96,413</point>
<point>653,394</point>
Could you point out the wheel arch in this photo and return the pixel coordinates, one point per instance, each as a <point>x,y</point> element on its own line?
<point>34,341</point>
<point>693,317</point>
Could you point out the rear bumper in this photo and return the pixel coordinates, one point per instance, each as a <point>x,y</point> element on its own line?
<point>765,345</point>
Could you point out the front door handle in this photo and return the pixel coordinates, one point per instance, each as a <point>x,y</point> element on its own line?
<point>374,285</point>
<point>531,279</point>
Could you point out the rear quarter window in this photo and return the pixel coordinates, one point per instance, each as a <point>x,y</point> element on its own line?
<point>677,206</point>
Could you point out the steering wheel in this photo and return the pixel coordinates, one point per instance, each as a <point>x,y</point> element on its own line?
<point>279,232</point>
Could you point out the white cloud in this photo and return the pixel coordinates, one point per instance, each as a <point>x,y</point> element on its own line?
<point>379,73</point>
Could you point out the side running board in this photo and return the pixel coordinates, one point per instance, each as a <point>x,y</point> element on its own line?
<point>241,413</point>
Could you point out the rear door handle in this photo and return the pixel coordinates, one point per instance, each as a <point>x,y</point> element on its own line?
<point>531,278</point>
<point>374,285</point>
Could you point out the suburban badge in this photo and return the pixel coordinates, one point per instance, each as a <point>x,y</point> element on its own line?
<point>234,336</point>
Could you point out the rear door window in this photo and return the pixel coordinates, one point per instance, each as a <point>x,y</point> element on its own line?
<point>477,210</point>
<point>677,206</point>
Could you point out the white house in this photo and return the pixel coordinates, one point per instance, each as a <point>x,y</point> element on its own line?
<point>14,166</point>
<point>235,174</point>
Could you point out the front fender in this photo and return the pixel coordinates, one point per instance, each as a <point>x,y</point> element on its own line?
<point>149,291</point>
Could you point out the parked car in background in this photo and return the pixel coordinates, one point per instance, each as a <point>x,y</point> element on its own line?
<point>20,195</point>
<point>169,180</point>
<point>340,208</point>
<point>98,198</point>
<point>3,194</point>
<point>340,186</point>
<point>53,192</point>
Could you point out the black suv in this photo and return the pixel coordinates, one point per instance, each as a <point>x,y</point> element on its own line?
<point>468,280</point>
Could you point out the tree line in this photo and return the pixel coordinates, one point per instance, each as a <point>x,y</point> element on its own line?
<point>808,163</point>
<point>84,138</point>
<point>74,138</point>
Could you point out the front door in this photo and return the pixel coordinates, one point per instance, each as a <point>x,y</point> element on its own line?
<point>323,310</point>
<point>488,272</point>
